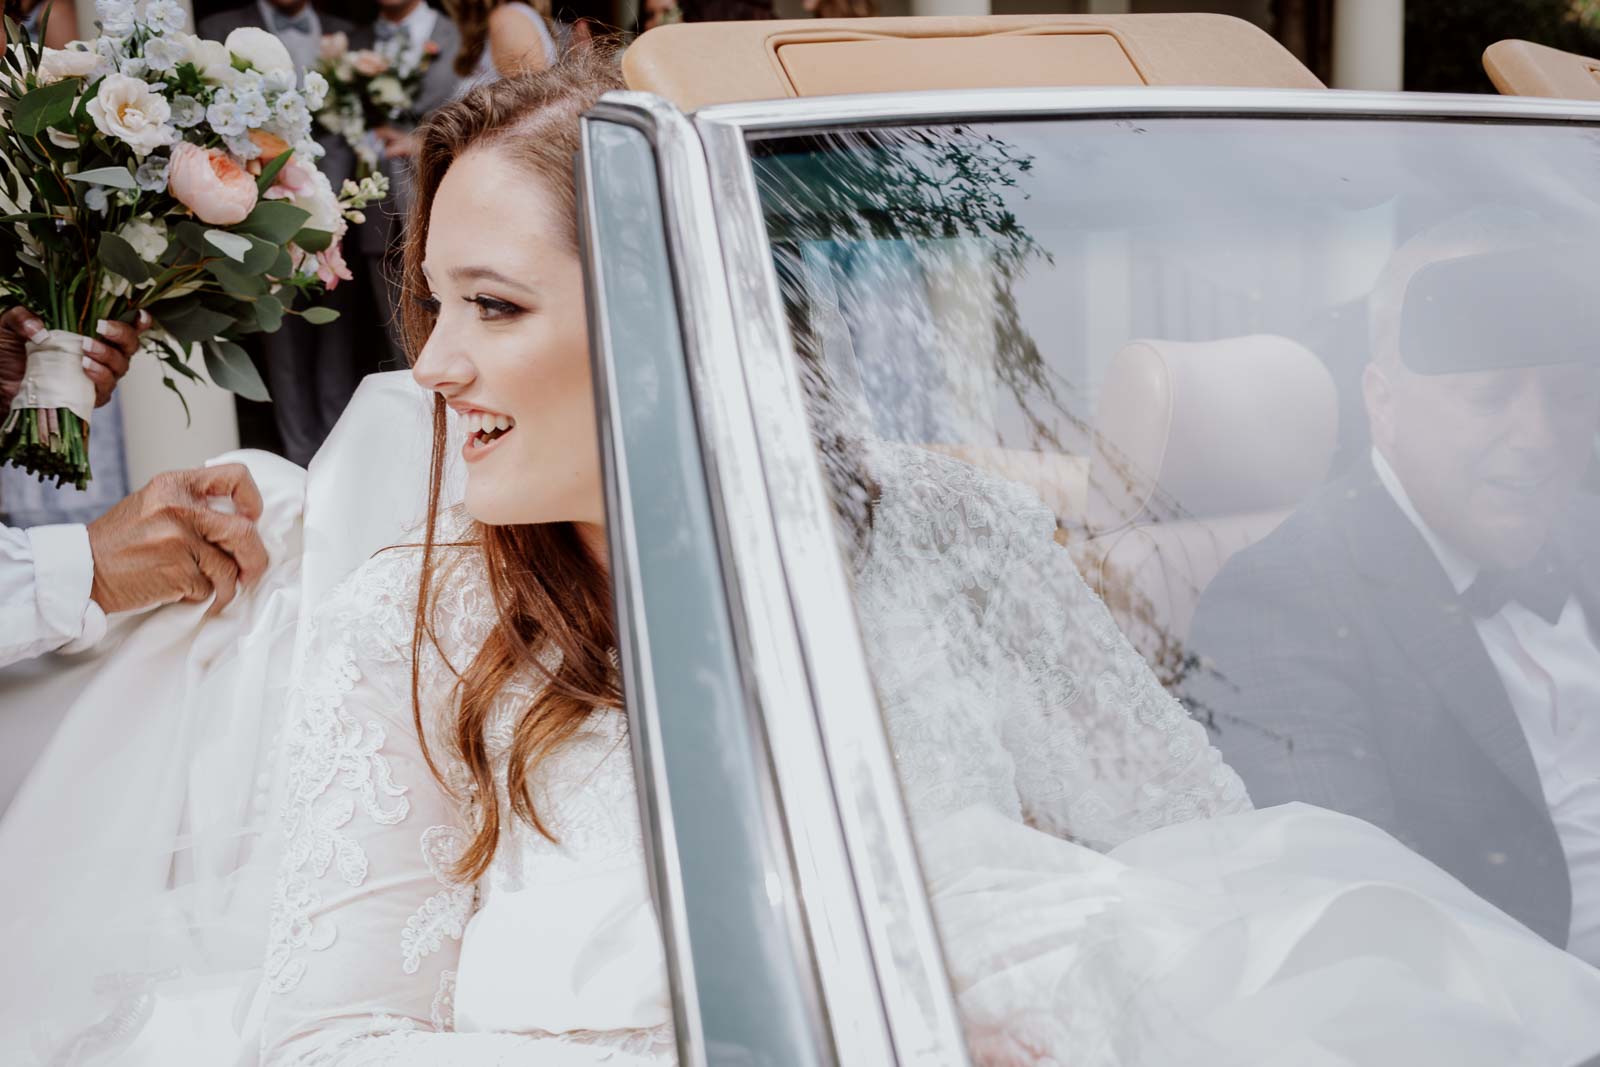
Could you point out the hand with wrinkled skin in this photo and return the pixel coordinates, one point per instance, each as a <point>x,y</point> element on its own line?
<point>105,358</point>
<point>165,543</point>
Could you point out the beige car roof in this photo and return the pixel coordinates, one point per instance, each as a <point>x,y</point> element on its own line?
<point>1522,68</point>
<point>695,64</point>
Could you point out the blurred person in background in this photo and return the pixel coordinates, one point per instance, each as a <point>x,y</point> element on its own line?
<point>310,371</point>
<point>31,14</point>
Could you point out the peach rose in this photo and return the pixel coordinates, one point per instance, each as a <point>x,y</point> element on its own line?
<point>211,183</point>
<point>271,145</point>
<point>368,63</point>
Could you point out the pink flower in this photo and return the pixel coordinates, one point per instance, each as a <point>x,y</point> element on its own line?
<point>211,183</point>
<point>368,63</point>
<point>296,181</point>
<point>331,267</point>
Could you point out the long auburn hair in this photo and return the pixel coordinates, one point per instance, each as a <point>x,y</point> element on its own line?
<point>472,20</point>
<point>548,590</point>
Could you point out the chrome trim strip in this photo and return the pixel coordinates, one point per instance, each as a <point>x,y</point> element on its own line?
<point>917,995</point>
<point>878,108</point>
<point>763,615</point>
<point>644,714</point>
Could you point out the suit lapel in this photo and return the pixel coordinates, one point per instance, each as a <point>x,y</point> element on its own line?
<point>1432,629</point>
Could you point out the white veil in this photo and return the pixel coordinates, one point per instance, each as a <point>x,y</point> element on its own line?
<point>137,859</point>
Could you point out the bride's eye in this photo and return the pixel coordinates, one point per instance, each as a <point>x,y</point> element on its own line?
<point>490,308</point>
<point>429,304</point>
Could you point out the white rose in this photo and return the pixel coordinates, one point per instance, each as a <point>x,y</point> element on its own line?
<point>57,64</point>
<point>260,49</point>
<point>129,110</point>
<point>212,60</point>
<point>149,240</point>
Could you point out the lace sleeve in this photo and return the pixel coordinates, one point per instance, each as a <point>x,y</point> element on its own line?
<point>366,925</point>
<point>1004,678</point>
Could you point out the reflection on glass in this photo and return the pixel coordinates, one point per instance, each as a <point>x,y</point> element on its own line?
<point>1292,421</point>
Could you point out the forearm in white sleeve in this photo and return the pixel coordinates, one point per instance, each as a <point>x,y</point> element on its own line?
<point>45,577</point>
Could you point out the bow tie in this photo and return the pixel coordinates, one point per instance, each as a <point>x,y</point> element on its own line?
<point>300,23</point>
<point>389,31</point>
<point>1543,587</point>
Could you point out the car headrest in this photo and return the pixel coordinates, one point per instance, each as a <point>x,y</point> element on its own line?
<point>1190,429</point>
<point>701,63</point>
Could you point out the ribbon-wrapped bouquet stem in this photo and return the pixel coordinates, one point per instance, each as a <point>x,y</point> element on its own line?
<point>151,170</point>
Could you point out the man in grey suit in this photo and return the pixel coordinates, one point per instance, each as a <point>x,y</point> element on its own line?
<point>420,27</point>
<point>311,371</point>
<point>1415,645</point>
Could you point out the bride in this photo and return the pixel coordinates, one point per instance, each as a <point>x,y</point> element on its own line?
<point>460,878</point>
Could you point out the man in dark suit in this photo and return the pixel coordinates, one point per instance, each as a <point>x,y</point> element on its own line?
<point>418,27</point>
<point>311,371</point>
<point>1413,646</point>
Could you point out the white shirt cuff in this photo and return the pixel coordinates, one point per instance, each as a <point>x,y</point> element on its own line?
<point>63,569</point>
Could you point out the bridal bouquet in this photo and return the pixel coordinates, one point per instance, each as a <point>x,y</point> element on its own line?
<point>149,169</point>
<point>369,87</point>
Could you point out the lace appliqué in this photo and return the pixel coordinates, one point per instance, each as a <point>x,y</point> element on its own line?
<point>324,745</point>
<point>442,1012</point>
<point>1003,679</point>
<point>445,913</point>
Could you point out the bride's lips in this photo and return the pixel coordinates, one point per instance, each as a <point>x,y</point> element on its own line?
<point>485,431</point>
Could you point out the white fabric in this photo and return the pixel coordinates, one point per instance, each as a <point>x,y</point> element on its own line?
<point>127,898</point>
<point>1551,673</point>
<point>418,28</point>
<point>304,48</point>
<point>46,573</point>
<point>374,953</point>
<point>53,376</point>
<point>486,72</point>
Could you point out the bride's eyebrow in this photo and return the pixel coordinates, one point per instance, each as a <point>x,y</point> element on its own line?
<point>480,274</point>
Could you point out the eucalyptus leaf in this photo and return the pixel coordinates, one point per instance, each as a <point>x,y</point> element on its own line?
<point>270,171</point>
<point>43,108</point>
<point>189,321</point>
<point>313,240</point>
<point>115,177</point>
<point>230,367</point>
<point>117,255</point>
<point>269,313</point>
<point>320,316</point>
<point>188,419</point>
<point>233,245</point>
<point>237,281</point>
<point>274,220</point>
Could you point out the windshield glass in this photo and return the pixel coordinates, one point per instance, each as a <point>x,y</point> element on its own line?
<point>1219,500</point>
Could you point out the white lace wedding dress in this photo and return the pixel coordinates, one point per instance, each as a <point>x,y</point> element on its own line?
<point>1104,893</point>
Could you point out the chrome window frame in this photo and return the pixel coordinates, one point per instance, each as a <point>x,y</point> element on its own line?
<point>895,913</point>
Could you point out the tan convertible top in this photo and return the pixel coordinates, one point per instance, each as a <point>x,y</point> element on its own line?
<point>695,64</point>
<point>1522,68</point>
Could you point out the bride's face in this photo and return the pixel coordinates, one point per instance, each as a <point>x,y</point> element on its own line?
<point>509,349</point>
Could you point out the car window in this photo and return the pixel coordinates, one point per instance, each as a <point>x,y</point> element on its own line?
<point>1219,501</point>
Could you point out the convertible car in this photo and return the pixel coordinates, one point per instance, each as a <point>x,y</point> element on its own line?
<point>1229,329</point>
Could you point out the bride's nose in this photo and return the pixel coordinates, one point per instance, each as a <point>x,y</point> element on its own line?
<point>441,366</point>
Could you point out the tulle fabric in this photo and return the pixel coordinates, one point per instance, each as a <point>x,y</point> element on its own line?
<point>138,858</point>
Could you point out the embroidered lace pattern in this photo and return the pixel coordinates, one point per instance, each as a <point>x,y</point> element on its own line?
<point>1003,679</point>
<point>344,793</point>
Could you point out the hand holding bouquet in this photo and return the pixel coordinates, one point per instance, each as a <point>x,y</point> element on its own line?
<point>151,170</point>
<point>369,88</point>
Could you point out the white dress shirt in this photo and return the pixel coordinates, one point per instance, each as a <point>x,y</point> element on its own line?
<point>45,576</point>
<point>418,28</point>
<point>305,48</point>
<point>1551,672</point>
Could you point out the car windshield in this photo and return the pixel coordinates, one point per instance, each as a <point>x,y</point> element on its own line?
<point>1219,500</point>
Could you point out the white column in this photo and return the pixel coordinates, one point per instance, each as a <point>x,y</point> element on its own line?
<point>155,437</point>
<point>86,16</point>
<point>1369,44</point>
<point>950,7</point>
